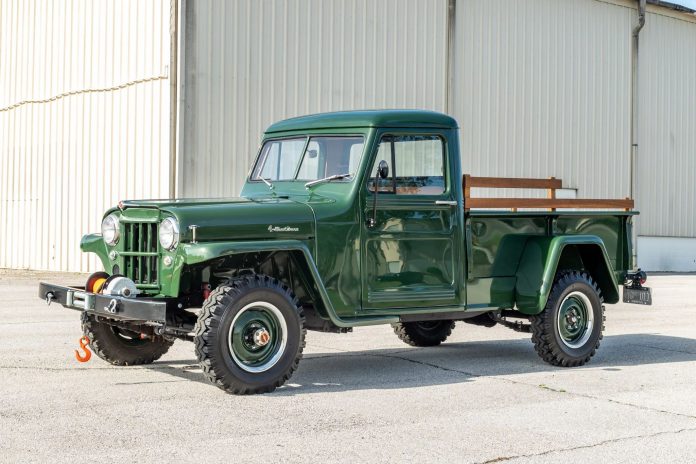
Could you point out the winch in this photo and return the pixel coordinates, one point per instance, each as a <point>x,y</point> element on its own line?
<point>120,286</point>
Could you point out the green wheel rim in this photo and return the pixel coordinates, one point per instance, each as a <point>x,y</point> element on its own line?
<point>257,337</point>
<point>575,320</point>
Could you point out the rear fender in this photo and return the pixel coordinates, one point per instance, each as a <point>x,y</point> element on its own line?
<point>543,257</point>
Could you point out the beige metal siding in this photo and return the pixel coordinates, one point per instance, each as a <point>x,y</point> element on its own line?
<point>542,88</point>
<point>84,121</point>
<point>249,63</point>
<point>666,187</point>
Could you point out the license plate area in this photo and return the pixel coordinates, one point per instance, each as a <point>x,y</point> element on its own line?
<point>642,295</point>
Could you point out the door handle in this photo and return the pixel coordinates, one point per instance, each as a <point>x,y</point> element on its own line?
<point>446,202</point>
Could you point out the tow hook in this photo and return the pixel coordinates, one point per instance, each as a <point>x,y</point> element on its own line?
<point>49,298</point>
<point>83,341</point>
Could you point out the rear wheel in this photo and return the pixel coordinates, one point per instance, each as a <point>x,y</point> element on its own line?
<point>568,332</point>
<point>122,347</point>
<point>425,333</point>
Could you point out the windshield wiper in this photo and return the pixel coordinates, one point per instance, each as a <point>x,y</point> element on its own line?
<point>327,179</point>
<point>265,181</point>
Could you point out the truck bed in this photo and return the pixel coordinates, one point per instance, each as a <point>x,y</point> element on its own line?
<point>497,238</point>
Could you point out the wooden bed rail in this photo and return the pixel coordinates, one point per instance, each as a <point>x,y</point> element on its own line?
<point>550,202</point>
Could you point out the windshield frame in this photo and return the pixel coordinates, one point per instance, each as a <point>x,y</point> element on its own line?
<point>308,138</point>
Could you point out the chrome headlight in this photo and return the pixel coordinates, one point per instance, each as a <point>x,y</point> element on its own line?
<point>169,233</point>
<point>110,230</point>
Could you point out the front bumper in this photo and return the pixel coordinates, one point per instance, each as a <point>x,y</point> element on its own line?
<point>112,307</point>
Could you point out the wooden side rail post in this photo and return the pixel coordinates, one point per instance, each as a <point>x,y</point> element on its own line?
<point>551,193</point>
<point>466,186</point>
<point>550,202</point>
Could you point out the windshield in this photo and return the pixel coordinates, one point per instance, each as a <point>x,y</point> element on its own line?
<point>307,159</point>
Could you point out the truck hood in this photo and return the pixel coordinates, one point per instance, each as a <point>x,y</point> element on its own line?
<point>238,218</point>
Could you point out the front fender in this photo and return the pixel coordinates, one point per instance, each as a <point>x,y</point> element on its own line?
<point>540,262</point>
<point>191,253</point>
<point>93,243</point>
<point>194,253</point>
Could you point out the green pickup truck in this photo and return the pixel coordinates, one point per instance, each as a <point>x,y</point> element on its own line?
<point>350,219</point>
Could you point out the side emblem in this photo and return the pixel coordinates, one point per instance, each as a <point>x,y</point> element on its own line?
<point>272,228</point>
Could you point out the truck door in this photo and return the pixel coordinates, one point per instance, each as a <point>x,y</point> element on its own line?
<point>410,247</point>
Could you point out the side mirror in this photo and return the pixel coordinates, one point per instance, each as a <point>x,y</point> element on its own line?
<point>383,170</point>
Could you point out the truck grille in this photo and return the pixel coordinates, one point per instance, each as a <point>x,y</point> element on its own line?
<point>140,253</point>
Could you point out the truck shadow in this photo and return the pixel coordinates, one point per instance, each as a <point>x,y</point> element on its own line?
<point>453,363</point>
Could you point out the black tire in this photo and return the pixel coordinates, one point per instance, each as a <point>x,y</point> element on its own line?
<point>427,333</point>
<point>482,320</point>
<point>570,289</point>
<point>216,345</point>
<point>121,347</point>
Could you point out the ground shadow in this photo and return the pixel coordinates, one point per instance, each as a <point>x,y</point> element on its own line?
<point>451,363</point>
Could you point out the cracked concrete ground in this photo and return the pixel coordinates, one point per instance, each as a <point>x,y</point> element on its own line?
<point>484,396</point>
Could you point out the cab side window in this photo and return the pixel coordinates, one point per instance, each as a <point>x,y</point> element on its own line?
<point>416,165</point>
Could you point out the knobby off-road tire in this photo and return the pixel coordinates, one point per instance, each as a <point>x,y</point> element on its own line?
<point>428,333</point>
<point>250,335</point>
<point>568,332</point>
<point>122,347</point>
<point>482,320</point>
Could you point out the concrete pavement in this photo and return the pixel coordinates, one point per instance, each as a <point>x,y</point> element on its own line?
<point>483,396</point>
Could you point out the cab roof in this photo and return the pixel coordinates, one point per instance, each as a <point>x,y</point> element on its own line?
<point>366,118</point>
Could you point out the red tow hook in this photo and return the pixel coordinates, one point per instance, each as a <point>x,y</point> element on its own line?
<point>84,341</point>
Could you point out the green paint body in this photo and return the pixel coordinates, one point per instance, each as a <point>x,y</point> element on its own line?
<point>418,258</point>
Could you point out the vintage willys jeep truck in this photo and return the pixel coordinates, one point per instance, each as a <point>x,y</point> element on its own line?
<point>351,219</point>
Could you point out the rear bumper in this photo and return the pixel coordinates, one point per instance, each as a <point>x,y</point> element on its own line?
<point>113,307</point>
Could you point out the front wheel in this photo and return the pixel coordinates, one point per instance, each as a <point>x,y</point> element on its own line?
<point>250,335</point>
<point>568,332</point>
<point>122,347</point>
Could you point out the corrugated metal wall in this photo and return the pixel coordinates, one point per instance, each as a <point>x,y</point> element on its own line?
<point>250,62</point>
<point>542,88</point>
<point>666,187</point>
<point>84,121</point>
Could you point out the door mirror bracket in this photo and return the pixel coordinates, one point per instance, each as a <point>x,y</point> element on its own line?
<point>382,173</point>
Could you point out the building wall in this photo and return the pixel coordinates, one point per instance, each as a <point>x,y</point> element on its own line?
<point>665,190</point>
<point>250,63</point>
<point>84,121</point>
<point>666,184</point>
<point>542,88</point>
